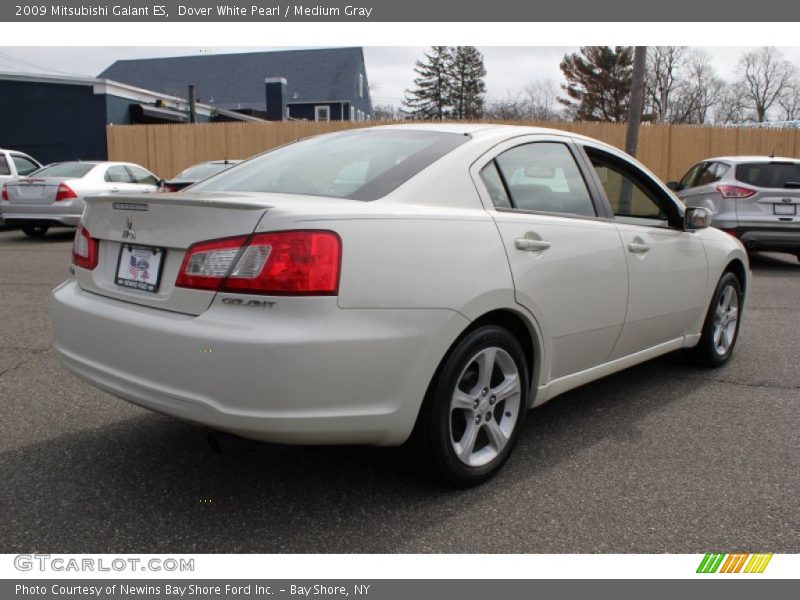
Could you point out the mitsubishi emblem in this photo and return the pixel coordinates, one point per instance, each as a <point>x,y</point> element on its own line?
<point>129,233</point>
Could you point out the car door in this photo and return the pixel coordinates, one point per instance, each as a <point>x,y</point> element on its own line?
<point>566,258</point>
<point>667,266</point>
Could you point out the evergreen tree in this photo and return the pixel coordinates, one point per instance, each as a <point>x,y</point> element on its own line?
<point>431,98</point>
<point>467,86</point>
<point>598,83</point>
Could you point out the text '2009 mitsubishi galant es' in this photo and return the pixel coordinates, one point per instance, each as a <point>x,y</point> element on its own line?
<point>422,283</point>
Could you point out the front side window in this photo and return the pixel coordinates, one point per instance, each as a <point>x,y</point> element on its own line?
<point>358,164</point>
<point>690,177</point>
<point>544,177</point>
<point>632,200</point>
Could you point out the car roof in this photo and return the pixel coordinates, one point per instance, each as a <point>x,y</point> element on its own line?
<point>751,158</point>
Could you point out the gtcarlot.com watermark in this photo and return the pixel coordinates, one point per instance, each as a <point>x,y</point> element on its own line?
<point>128,564</point>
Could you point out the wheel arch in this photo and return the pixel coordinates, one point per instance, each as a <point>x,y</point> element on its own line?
<point>737,267</point>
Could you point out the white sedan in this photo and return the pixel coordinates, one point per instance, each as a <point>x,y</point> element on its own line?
<point>53,195</point>
<point>423,283</point>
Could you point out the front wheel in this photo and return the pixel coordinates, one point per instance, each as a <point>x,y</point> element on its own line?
<point>721,327</point>
<point>35,231</point>
<point>475,408</point>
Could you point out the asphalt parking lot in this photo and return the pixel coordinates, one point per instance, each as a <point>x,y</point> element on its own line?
<point>664,457</point>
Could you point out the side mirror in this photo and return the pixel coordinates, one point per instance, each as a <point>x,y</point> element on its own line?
<point>674,186</point>
<point>696,217</point>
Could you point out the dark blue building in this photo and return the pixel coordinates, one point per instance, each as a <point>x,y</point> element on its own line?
<point>316,85</point>
<point>55,118</point>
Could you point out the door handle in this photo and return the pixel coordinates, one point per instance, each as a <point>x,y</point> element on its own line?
<point>638,248</point>
<point>530,245</point>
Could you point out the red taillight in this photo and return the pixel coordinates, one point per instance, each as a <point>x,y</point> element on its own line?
<point>304,263</point>
<point>730,232</point>
<point>84,249</point>
<point>64,192</point>
<point>4,194</point>
<point>734,191</point>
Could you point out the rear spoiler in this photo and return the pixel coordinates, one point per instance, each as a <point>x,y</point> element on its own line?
<point>141,202</point>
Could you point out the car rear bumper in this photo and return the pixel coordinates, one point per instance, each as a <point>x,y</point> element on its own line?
<point>303,371</point>
<point>69,214</point>
<point>766,237</point>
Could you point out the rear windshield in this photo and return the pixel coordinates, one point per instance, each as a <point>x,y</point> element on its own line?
<point>769,175</point>
<point>359,165</point>
<point>198,172</point>
<point>65,170</point>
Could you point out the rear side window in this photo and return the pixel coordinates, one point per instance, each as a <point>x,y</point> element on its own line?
<point>4,168</point>
<point>25,166</point>
<point>66,170</point>
<point>359,165</point>
<point>118,174</point>
<point>543,177</point>
<point>494,184</point>
<point>769,175</point>
<point>708,174</point>
<point>142,176</point>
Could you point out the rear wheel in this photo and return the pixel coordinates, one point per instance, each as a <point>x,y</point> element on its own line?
<point>35,231</point>
<point>475,408</point>
<point>721,327</point>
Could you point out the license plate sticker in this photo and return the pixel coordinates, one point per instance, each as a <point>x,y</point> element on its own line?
<point>785,209</point>
<point>139,267</point>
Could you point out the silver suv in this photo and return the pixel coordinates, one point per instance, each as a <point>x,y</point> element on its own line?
<point>754,198</point>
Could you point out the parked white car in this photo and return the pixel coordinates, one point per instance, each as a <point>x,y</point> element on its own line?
<point>426,283</point>
<point>54,194</point>
<point>16,164</point>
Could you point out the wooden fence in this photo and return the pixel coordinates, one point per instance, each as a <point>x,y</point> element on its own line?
<point>668,150</point>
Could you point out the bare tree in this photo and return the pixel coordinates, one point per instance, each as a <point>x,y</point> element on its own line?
<point>542,100</point>
<point>664,80</point>
<point>729,108</point>
<point>385,112</point>
<point>509,107</point>
<point>537,101</point>
<point>789,101</point>
<point>763,76</point>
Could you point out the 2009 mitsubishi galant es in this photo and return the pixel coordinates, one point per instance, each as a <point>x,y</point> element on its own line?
<point>425,283</point>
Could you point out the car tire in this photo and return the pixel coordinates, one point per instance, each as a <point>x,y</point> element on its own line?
<point>474,409</point>
<point>721,327</point>
<point>35,231</point>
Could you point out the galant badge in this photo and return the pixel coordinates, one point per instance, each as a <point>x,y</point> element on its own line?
<point>129,233</point>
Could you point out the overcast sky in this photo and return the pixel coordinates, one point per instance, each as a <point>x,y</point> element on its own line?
<point>390,69</point>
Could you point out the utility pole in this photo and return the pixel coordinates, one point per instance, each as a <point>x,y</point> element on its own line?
<point>192,105</point>
<point>636,101</point>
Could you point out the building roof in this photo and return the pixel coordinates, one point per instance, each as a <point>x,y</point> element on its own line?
<point>124,90</point>
<point>237,80</point>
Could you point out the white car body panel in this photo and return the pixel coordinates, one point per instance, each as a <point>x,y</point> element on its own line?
<point>418,266</point>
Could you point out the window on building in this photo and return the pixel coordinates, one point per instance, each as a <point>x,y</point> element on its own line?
<point>322,113</point>
<point>360,85</point>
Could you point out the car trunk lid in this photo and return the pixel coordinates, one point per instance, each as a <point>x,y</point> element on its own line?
<point>143,238</point>
<point>35,190</point>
